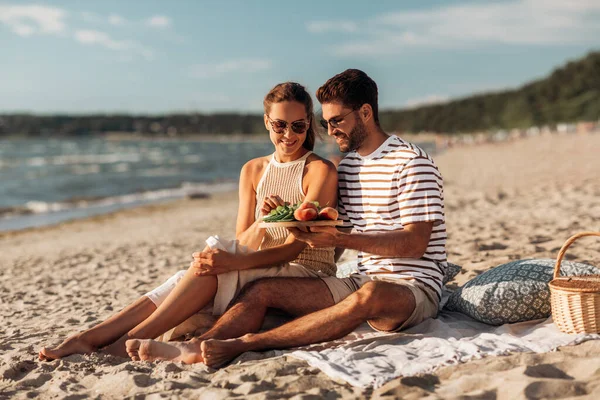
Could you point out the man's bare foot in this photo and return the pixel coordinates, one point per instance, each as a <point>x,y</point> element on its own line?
<point>217,353</point>
<point>151,350</point>
<point>72,345</point>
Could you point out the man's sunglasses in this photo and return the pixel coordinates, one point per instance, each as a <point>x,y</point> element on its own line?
<point>280,126</point>
<point>334,122</point>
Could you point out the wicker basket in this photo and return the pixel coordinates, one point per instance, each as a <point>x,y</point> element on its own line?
<point>575,299</point>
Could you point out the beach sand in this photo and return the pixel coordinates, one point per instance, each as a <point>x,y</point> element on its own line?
<point>504,201</point>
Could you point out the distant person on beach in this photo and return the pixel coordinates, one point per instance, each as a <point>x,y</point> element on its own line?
<point>392,204</point>
<point>293,173</point>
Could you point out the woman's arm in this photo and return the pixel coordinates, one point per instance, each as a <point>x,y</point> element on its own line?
<point>320,184</point>
<point>272,256</point>
<point>247,231</point>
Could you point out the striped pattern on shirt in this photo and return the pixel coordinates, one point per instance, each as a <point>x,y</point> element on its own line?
<point>396,185</point>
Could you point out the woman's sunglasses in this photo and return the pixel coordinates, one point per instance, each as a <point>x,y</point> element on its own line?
<point>280,126</point>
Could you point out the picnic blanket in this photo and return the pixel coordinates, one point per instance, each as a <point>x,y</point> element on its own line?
<point>366,358</point>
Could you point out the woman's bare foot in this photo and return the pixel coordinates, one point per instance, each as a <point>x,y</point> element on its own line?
<point>217,353</point>
<point>73,345</point>
<point>151,350</point>
<point>117,348</point>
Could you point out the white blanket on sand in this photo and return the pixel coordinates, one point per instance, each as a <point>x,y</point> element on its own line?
<point>366,358</point>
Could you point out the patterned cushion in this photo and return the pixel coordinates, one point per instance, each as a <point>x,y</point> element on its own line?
<point>513,292</point>
<point>451,271</point>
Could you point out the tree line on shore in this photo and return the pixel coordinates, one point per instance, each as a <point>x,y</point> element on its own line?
<point>571,93</point>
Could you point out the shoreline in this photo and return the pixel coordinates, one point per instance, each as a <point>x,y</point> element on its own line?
<point>24,217</point>
<point>125,212</point>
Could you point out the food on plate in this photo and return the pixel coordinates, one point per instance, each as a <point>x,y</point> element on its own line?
<point>306,212</point>
<point>303,211</point>
<point>328,213</point>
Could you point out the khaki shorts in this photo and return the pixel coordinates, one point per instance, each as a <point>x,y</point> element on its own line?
<point>231,283</point>
<point>426,299</point>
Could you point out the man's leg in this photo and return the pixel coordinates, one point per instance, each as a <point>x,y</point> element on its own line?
<point>385,305</point>
<point>296,296</point>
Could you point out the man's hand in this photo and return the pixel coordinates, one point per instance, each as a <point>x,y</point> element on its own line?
<point>215,262</point>
<point>319,236</point>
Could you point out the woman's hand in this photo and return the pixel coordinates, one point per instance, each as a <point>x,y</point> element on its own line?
<point>215,262</point>
<point>271,202</point>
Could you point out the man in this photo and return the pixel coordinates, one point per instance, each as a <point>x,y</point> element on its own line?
<point>391,196</point>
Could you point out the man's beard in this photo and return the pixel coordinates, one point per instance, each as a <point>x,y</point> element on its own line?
<point>355,138</point>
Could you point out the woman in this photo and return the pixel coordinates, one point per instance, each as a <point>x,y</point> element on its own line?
<point>292,173</point>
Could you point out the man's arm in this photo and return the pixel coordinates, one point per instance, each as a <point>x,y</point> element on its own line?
<point>339,251</point>
<point>411,242</point>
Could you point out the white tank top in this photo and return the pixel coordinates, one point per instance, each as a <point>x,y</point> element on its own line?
<point>285,180</point>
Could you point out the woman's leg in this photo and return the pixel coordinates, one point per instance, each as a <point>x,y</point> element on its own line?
<point>104,333</point>
<point>134,322</point>
<point>191,294</point>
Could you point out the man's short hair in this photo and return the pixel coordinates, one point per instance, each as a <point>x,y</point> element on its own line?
<point>352,88</point>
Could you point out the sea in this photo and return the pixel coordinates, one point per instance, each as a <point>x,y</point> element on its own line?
<point>47,181</point>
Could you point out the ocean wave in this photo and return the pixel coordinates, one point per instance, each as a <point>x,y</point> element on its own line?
<point>83,159</point>
<point>158,172</point>
<point>187,189</point>
<point>90,169</point>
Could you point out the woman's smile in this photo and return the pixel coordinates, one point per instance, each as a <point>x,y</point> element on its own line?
<point>289,143</point>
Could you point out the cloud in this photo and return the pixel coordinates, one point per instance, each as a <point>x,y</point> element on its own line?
<point>427,100</point>
<point>158,21</point>
<point>91,38</point>
<point>517,22</point>
<point>97,19</point>
<point>205,71</point>
<point>332,26</point>
<point>115,19</point>
<point>28,20</point>
<point>33,19</point>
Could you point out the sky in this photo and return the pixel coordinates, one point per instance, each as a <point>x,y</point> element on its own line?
<point>155,57</point>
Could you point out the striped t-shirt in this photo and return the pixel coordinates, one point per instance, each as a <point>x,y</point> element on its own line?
<point>396,185</point>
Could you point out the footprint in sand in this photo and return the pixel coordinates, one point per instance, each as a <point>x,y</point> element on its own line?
<point>554,389</point>
<point>248,388</point>
<point>427,382</point>
<point>493,246</point>
<point>34,381</point>
<point>18,370</point>
<point>142,380</point>
<point>546,371</point>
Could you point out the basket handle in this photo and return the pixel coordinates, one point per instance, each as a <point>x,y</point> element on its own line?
<point>565,246</point>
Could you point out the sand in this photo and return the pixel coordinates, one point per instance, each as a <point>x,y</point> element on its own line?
<point>504,201</point>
